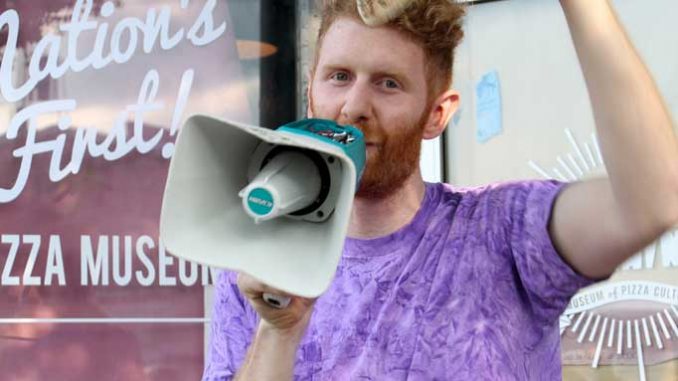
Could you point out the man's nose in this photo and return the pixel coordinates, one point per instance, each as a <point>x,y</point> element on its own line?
<point>357,107</point>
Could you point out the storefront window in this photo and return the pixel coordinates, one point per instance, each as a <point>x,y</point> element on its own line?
<point>92,96</point>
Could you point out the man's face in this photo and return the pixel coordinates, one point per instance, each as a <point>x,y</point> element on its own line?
<point>374,79</point>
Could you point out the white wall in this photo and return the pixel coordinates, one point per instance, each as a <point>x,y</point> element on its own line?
<point>542,87</point>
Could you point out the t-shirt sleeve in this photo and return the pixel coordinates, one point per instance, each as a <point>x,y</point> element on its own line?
<point>231,330</point>
<point>547,279</point>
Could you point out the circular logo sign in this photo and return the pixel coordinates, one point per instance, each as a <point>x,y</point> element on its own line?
<point>260,201</point>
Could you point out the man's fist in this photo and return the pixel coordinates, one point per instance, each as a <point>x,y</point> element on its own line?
<point>292,319</point>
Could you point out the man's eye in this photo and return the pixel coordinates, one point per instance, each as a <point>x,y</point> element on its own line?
<point>340,76</point>
<point>391,84</point>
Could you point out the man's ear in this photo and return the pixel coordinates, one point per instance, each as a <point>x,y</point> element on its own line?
<point>442,110</point>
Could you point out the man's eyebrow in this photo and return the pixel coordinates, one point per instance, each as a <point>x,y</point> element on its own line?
<point>332,67</point>
<point>395,74</point>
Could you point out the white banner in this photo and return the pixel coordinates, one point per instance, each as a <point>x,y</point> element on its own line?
<point>622,291</point>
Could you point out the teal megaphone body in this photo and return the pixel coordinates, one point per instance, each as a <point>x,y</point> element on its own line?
<point>274,204</point>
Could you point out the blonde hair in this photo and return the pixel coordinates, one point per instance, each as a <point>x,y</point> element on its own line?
<point>436,25</point>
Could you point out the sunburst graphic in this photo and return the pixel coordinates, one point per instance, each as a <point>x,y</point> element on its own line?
<point>579,163</point>
<point>623,334</point>
<point>614,336</point>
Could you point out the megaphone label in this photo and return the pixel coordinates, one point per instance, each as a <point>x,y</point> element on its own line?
<point>260,201</point>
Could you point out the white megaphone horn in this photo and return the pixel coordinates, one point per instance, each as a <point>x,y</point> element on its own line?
<point>274,204</point>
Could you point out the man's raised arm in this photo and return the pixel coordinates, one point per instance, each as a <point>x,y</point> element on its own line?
<point>597,224</point>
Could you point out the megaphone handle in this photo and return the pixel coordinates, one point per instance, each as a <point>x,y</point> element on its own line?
<point>276,301</point>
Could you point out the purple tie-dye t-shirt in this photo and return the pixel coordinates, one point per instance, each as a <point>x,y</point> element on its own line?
<point>470,289</point>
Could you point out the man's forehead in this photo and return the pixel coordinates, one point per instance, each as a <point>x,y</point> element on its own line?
<point>349,42</point>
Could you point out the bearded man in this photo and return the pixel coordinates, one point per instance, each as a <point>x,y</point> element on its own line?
<point>441,283</point>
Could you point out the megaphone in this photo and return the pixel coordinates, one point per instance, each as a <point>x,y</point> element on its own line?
<point>274,204</point>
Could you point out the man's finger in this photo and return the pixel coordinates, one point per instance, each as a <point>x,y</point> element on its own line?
<point>254,288</point>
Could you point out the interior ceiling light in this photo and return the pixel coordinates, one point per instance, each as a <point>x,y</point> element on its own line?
<point>250,49</point>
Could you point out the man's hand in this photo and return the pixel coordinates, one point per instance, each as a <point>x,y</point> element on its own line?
<point>290,320</point>
<point>273,351</point>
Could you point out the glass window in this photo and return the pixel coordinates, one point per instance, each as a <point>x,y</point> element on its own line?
<point>92,96</point>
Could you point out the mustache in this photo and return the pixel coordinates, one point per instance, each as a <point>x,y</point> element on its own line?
<point>371,131</point>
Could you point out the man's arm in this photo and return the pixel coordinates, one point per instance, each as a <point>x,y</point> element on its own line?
<point>598,224</point>
<point>271,355</point>
<point>274,349</point>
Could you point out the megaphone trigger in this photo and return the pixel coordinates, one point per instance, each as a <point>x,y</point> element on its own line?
<point>276,301</point>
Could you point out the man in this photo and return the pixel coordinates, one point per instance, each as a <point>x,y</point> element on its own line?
<point>444,283</point>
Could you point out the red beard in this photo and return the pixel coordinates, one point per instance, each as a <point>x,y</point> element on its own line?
<point>393,161</point>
